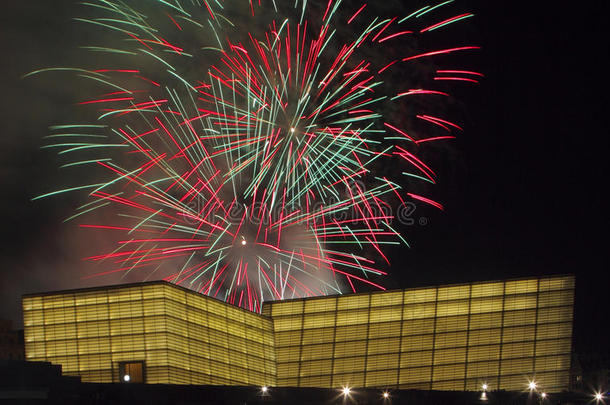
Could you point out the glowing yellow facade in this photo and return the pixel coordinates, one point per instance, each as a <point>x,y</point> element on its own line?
<point>443,338</point>
<point>458,337</point>
<point>181,336</point>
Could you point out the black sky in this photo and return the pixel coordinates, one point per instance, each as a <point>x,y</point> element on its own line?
<point>524,192</point>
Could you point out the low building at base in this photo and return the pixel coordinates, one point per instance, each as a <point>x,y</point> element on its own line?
<point>11,342</point>
<point>506,334</point>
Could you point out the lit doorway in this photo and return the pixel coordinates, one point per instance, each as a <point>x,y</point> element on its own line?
<point>131,372</point>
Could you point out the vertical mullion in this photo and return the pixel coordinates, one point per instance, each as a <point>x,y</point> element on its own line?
<point>366,352</point>
<point>501,335</point>
<point>434,336</point>
<point>187,329</point>
<point>572,288</point>
<point>467,336</point>
<point>300,349</point>
<point>143,331</point>
<point>205,318</point>
<point>112,368</point>
<point>536,327</point>
<point>334,343</point>
<point>44,327</point>
<point>76,330</point>
<point>400,339</point>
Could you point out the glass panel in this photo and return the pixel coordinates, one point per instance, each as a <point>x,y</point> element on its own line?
<point>417,311</point>
<point>521,301</point>
<point>353,301</point>
<point>418,296</point>
<point>449,372</point>
<point>449,356</point>
<point>386,298</point>
<point>386,314</point>
<point>555,314</point>
<point>453,308</point>
<point>521,286</point>
<point>287,308</point>
<point>416,359</point>
<point>487,289</point>
<point>411,375</point>
<point>320,305</point>
<point>486,321</point>
<point>384,329</point>
<point>523,317</point>
<point>452,323</point>
<point>418,326</point>
<point>483,369</point>
<point>318,320</point>
<point>414,343</point>
<point>557,283</point>
<point>453,293</point>
<point>387,345</point>
<point>352,317</point>
<point>488,304</point>
<point>319,335</point>
<point>480,353</point>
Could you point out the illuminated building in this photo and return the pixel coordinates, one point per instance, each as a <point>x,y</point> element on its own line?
<point>456,337</point>
<point>155,331</point>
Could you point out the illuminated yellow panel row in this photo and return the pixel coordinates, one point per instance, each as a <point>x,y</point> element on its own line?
<point>509,371</point>
<point>138,324</point>
<point>528,287</point>
<point>457,330</point>
<point>450,315</point>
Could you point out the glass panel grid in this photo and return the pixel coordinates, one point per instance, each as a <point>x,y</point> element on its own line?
<point>451,337</point>
<point>171,330</point>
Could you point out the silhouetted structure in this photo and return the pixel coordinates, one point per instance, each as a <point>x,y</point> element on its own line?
<point>11,342</point>
<point>42,383</point>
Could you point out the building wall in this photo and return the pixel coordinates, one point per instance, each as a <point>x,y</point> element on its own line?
<point>456,337</point>
<point>183,337</point>
<point>442,338</point>
<point>11,342</point>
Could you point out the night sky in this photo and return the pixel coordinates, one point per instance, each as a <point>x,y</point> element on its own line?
<point>523,186</point>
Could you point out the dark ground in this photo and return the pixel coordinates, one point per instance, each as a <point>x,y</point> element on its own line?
<point>28,383</point>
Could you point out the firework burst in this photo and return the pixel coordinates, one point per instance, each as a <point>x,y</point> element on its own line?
<point>244,163</point>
